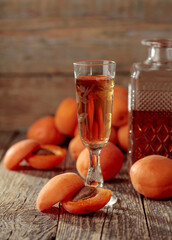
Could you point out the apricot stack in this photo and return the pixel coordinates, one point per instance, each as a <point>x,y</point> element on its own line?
<point>69,190</point>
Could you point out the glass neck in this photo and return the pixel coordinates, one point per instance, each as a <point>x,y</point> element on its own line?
<point>159,55</point>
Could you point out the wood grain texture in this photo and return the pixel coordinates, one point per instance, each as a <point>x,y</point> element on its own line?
<point>54,49</point>
<point>128,219</point>
<point>159,218</point>
<point>24,100</point>
<point>40,40</point>
<point>138,10</point>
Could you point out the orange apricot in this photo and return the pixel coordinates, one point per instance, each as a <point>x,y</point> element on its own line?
<point>76,132</point>
<point>58,189</point>
<point>113,135</point>
<point>111,160</point>
<point>120,91</point>
<point>44,131</point>
<point>122,137</point>
<point>151,176</point>
<point>18,152</point>
<point>75,147</point>
<point>89,205</point>
<point>119,111</point>
<point>47,157</point>
<point>66,117</point>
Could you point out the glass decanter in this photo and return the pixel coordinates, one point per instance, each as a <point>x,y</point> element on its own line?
<point>150,103</point>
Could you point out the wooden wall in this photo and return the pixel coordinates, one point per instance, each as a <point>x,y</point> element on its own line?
<point>40,40</point>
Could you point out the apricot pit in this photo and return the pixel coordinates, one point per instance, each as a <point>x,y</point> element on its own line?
<point>47,157</point>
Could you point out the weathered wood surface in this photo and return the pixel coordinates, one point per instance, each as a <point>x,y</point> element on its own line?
<point>133,217</point>
<point>40,40</point>
<point>26,99</point>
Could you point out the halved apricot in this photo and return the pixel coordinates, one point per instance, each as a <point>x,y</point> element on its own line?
<point>47,157</point>
<point>44,131</point>
<point>66,117</point>
<point>18,152</point>
<point>89,205</point>
<point>58,189</point>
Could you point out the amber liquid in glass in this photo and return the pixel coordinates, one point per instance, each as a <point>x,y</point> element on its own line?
<point>94,105</point>
<point>152,133</point>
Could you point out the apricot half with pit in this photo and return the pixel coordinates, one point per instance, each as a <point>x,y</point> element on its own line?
<point>75,197</point>
<point>58,189</point>
<point>88,205</point>
<point>18,152</point>
<point>47,157</point>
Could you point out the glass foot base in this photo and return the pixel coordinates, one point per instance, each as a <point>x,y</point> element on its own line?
<point>112,201</point>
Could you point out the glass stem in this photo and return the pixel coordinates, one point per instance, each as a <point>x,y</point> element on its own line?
<point>94,176</point>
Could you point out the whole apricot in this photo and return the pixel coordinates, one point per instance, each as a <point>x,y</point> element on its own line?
<point>44,131</point>
<point>152,176</point>
<point>76,132</point>
<point>122,137</point>
<point>119,111</point>
<point>113,135</point>
<point>18,152</point>
<point>120,91</point>
<point>75,147</point>
<point>58,189</point>
<point>66,117</point>
<point>111,160</point>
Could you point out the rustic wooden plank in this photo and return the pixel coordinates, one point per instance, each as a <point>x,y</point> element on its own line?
<point>18,192</point>
<point>159,218</point>
<point>29,98</point>
<point>125,220</point>
<point>154,10</point>
<point>5,139</point>
<point>53,50</point>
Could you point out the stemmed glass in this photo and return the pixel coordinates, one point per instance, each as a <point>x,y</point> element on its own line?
<point>94,81</point>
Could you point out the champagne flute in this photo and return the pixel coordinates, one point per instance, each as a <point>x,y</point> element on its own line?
<point>94,82</point>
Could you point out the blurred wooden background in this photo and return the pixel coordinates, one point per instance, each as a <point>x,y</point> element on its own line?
<point>40,40</point>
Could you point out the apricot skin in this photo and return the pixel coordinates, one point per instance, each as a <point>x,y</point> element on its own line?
<point>119,111</point>
<point>113,135</point>
<point>152,176</point>
<point>44,131</point>
<point>48,161</point>
<point>111,160</point>
<point>120,106</point>
<point>122,137</point>
<point>88,205</point>
<point>75,147</point>
<point>18,152</point>
<point>66,117</point>
<point>58,189</point>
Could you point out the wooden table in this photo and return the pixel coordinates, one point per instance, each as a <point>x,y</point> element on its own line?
<point>133,216</point>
